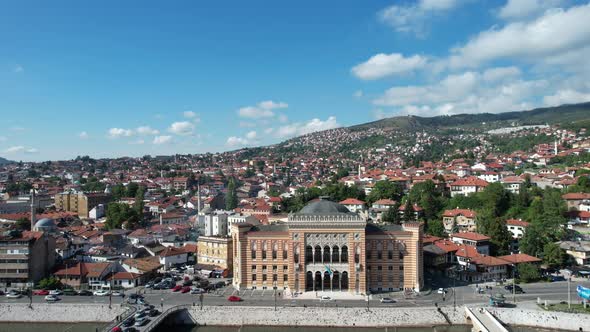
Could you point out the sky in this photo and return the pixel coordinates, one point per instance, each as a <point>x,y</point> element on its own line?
<point>130,78</point>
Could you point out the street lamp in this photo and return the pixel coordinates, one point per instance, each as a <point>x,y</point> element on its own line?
<point>514,283</point>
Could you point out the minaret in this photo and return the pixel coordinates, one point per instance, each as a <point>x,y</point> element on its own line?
<point>198,199</point>
<point>555,147</point>
<point>33,209</point>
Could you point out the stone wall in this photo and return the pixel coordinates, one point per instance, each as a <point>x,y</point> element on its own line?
<point>339,317</point>
<point>58,313</point>
<point>540,318</point>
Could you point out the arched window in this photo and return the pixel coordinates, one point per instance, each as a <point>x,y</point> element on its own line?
<point>335,254</point>
<point>253,248</point>
<point>275,249</point>
<point>326,285</point>
<point>357,255</point>
<point>317,255</point>
<point>326,255</point>
<point>318,281</point>
<point>344,254</point>
<point>379,250</point>
<point>264,249</point>
<point>390,250</point>
<point>308,254</point>
<point>309,281</point>
<point>296,255</point>
<point>344,282</point>
<point>336,281</point>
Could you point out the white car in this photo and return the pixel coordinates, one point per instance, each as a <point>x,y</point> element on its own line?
<point>196,290</point>
<point>101,292</point>
<point>442,291</point>
<point>325,299</point>
<point>13,295</point>
<point>117,293</point>
<point>51,298</point>
<point>387,300</point>
<point>55,292</point>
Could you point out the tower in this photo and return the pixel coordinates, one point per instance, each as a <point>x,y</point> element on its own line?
<point>555,148</point>
<point>198,199</point>
<point>33,209</point>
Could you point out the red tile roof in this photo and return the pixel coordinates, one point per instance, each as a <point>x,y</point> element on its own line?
<point>352,201</point>
<point>470,181</point>
<point>464,212</point>
<point>520,258</point>
<point>517,222</point>
<point>471,236</point>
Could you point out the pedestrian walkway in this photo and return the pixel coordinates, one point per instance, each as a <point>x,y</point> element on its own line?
<point>483,321</point>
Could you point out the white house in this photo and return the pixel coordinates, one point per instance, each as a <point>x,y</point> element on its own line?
<point>240,219</point>
<point>517,227</point>
<point>467,186</point>
<point>216,224</point>
<point>172,256</point>
<point>125,280</point>
<point>354,205</point>
<point>489,176</point>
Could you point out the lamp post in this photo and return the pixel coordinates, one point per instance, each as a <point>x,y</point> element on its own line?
<point>455,289</point>
<point>569,293</point>
<point>514,283</point>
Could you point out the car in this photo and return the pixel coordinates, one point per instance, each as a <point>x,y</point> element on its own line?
<point>13,295</point>
<point>441,291</point>
<point>131,329</point>
<point>139,314</point>
<point>141,321</point>
<point>55,292</point>
<point>141,301</point>
<point>187,283</point>
<point>234,298</point>
<point>325,298</point>
<point>128,322</point>
<point>51,298</point>
<point>517,289</point>
<point>228,282</point>
<point>42,292</point>
<point>69,291</point>
<point>116,329</point>
<point>101,292</point>
<point>196,290</point>
<point>557,278</point>
<point>220,284</point>
<point>84,292</point>
<point>387,300</point>
<point>153,312</point>
<point>176,288</point>
<point>118,293</point>
<point>185,289</point>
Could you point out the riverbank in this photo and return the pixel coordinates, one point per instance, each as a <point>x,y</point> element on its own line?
<point>59,313</point>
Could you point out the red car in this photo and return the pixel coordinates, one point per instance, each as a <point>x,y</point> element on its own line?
<point>234,298</point>
<point>185,289</point>
<point>41,292</point>
<point>176,288</point>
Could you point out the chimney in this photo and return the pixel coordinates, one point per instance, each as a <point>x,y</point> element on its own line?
<point>33,209</point>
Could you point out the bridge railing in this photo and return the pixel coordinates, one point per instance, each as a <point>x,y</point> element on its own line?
<point>128,312</point>
<point>157,320</point>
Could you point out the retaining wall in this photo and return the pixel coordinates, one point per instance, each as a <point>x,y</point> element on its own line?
<point>58,313</point>
<point>544,319</point>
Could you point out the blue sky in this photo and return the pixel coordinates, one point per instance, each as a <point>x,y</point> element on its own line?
<point>115,78</point>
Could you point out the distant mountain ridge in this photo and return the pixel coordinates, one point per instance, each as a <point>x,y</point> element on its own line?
<point>546,115</point>
<point>4,161</point>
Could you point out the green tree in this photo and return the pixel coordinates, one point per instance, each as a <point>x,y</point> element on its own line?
<point>249,173</point>
<point>553,255</point>
<point>231,199</point>
<point>50,283</point>
<point>119,214</point>
<point>534,240</point>
<point>385,189</point>
<point>528,272</point>
<point>131,190</point>
<point>409,213</point>
<point>391,216</point>
<point>436,228</point>
<point>428,198</point>
<point>495,198</point>
<point>23,224</point>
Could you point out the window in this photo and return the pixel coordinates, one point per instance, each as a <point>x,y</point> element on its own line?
<point>274,269</point>
<point>390,268</point>
<point>284,253</point>
<point>274,277</point>
<point>379,254</point>
<point>253,267</point>
<point>401,267</point>
<point>285,277</point>
<point>285,268</point>
<point>390,254</point>
<point>253,254</point>
<point>368,254</point>
<point>263,268</point>
<point>264,277</point>
<point>379,268</point>
<point>264,255</point>
<point>401,256</point>
<point>253,277</point>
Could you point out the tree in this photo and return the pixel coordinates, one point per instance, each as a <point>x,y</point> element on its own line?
<point>409,213</point>
<point>120,213</point>
<point>231,200</point>
<point>534,240</point>
<point>23,224</point>
<point>385,189</point>
<point>249,173</point>
<point>553,255</point>
<point>131,190</point>
<point>138,205</point>
<point>495,198</point>
<point>528,272</point>
<point>428,198</point>
<point>435,228</point>
<point>391,216</point>
<point>50,283</point>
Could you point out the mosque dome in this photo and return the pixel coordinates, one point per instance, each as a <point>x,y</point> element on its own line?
<point>324,207</point>
<point>45,224</point>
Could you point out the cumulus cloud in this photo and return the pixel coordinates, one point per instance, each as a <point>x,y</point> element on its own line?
<point>162,139</point>
<point>235,141</point>
<point>519,9</point>
<point>183,128</point>
<point>251,135</point>
<point>20,149</point>
<point>189,114</point>
<point>120,132</point>
<point>302,128</point>
<point>566,97</point>
<point>501,73</point>
<point>83,135</point>
<point>264,109</point>
<point>147,130</point>
<point>556,31</point>
<point>383,65</point>
<point>413,18</point>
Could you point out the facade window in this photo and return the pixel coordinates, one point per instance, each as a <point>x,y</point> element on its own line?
<point>274,277</point>
<point>379,255</point>
<point>390,254</point>
<point>284,253</point>
<point>264,277</point>
<point>368,254</point>
<point>274,269</point>
<point>285,277</point>
<point>253,253</point>
<point>285,268</point>
<point>253,277</point>
<point>390,268</point>
<point>401,256</point>
<point>296,256</point>
<point>263,254</point>
<point>379,268</point>
<point>263,268</point>
<point>308,254</point>
<point>253,267</point>
<point>401,267</point>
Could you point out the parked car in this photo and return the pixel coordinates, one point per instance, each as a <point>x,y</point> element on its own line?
<point>42,292</point>
<point>141,321</point>
<point>387,300</point>
<point>51,298</point>
<point>55,292</point>
<point>185,289</point>
<point>176,288</point>
<point>129,322</point>
<point>118,293</point>
<point>13,295</point>
<point>69,291</point>
<point>517,289</point>
<point>84,292</point>
<point>101,292</point>
<point>234,298</point>
<point>442,291</point>
<point>557,278</point>
<point>153,312</point>
<point>196,290</point>
<point>325,298</point>
<point>139,314</point>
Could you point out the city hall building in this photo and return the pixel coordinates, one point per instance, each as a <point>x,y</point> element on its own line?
<point>325,247</point>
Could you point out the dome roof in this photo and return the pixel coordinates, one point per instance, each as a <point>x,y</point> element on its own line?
<point>324,206</point>
<point>45,222</point>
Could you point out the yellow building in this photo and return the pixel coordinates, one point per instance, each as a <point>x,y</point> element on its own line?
<point>325,247</point>
<point>215,250</point>
<point>80,202</point>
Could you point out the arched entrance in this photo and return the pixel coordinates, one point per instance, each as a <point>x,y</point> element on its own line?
<point>326,283</point>
<point>336,281</point>
<point>344,283</point>
<point>318,281</point>
<point>309,281</point>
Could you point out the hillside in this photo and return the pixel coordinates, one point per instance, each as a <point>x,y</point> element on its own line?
<point>563,114</point>
<point>4,161</point>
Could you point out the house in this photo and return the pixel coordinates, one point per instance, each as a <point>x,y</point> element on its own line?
<point>578,250</point>
<point>354,205</point>
<point>418,211</point>
<point>125,280</point>
<point>579,217</point>
<point>477,267</point>
<point>573,200</point>
<point>512,184</point>
<point>467,186</point>
<point>489,176</point>
<point>379,207</point>
<point>173,256</point>
<point>146,267</point>
<point>94,275</point>
<point>459,220</point>
<point>440,253</point>
<point>516,259</point>
<point>516,227</point>
<point>479,241</point>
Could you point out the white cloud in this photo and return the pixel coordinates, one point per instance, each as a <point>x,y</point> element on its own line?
<point>120,132</point>
<point>556,31</point>
<point>383,65</point>
<point>519,9</point>
<point>138,142</point>
<point>264,109</point>
<point>268,130</point>
<point>20,149</point>
<point>162,139</point>
<point>18,128</point>
<point>147,130</point>
<point>18,69</point>
<point>302,128</point>
<point>83,135</point>
<point>566,97</point>
<point>251,135</point>
<point>234,141</point>
<point>182,128</point>
<point>501,73</point>
<point>414,18</point>
<point>189,114</point>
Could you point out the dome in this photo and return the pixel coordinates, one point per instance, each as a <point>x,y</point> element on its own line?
<point>323,206</point>
<point>45,223</point>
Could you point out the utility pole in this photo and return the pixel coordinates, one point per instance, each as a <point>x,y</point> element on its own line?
<point>275,295</point>
<point>455,291</point>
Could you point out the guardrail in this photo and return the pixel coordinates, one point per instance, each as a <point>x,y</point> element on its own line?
<point>156,321</point>
<point>130,311</point>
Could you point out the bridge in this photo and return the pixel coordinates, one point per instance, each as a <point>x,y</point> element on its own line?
<point>151,325</point>
<point>483,321</point>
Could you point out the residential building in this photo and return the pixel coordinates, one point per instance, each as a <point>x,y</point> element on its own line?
<point>80,202</point>
<point>479,241</point>
<point>353,205</point>
<point>578,250</point>
<point>513,184</point>
<point>459,220</point>
<point>467,186</point>
<point>216,224</point>
<point>216,250</point>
